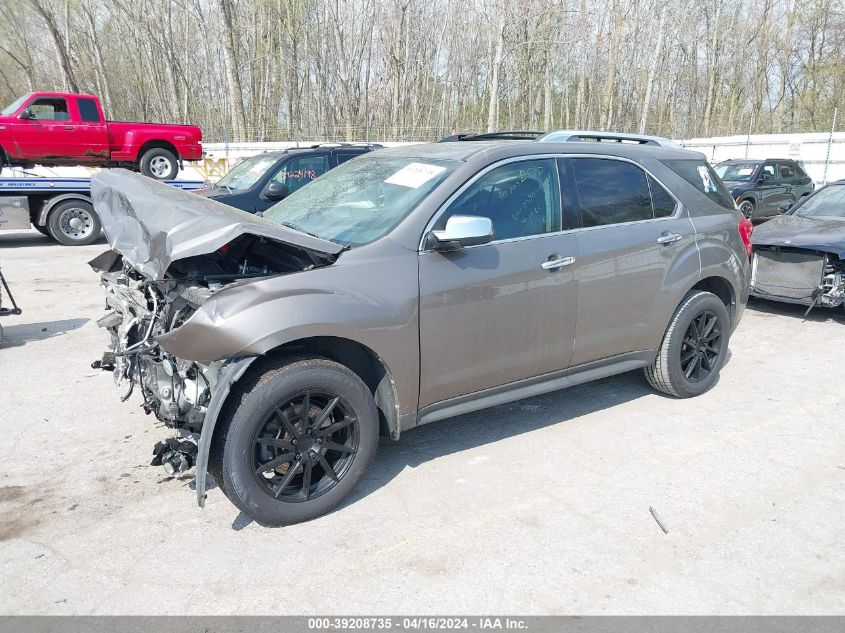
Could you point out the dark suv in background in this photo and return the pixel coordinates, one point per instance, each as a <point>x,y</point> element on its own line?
<point>259,182</point>
<point>407,286</point>
<point>763,188</point>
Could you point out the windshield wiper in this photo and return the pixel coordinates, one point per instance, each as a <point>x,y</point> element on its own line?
<point>226,187</point>
<point>293,226</point>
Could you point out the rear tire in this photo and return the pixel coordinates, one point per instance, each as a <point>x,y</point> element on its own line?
<point>694,347</point>
<point>74,223</point>
<point>159,164</point>
<point>280,467</point>
<point>42,229</point>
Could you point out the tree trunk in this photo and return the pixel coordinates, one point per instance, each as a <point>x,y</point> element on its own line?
<point>233,79</point>
<point>59,44</point>
<point>493,108</point>
<point>652,71</point>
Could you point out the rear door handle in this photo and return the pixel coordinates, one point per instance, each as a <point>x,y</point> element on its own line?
<point>668,238</point>
<point>559,262</point>
<point>68,127</point>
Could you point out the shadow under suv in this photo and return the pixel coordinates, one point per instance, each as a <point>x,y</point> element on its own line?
<point>407,286</point>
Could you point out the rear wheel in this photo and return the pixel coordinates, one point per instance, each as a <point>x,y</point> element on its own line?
<point>42,229</point>
<point>694,347</point>
<point>74,223</point>
<point>160,164</point>
<point>294,441</point>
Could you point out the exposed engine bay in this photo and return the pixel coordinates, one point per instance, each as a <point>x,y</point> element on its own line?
<point>793,275</point>
<point>175,390</point>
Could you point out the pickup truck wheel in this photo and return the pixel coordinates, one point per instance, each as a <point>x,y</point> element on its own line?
<point>160,164</point>
<point>44,230</point>
<point>694,347</point>
<point>74,223</point>
<point>294,441</point>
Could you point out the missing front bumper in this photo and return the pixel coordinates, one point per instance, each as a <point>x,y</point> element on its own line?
<point>796,276</point>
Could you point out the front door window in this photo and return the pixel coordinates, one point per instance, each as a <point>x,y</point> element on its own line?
<point>299,171</point>
<point>50,109</point>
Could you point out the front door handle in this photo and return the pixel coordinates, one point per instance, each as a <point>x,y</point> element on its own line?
<point>668,238</point>
<point>557,262</point>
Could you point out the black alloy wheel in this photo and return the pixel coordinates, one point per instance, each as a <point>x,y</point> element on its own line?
<point>296,436</point>
<point>305,447</point>
<point>701,347</point>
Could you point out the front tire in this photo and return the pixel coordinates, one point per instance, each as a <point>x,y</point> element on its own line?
<point>74,223</point>
<point>294,441</point>
<point>160,164</point>
<point>746,207</point>
<point>694,347</point>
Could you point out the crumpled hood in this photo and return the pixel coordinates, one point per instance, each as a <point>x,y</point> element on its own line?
<point>152,224</point>
<point>800,232</point>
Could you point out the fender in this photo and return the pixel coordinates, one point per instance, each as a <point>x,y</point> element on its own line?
<point>749,195</point>
<point>372,302</point>
<point>48,205</point>
<point>229,374</point>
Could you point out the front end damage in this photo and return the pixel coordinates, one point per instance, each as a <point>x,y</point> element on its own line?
<point>162,270</point>
<point>795,275</point>
<point>175,390</point>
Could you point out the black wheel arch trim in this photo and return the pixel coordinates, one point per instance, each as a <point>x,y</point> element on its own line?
<point>229,374</point>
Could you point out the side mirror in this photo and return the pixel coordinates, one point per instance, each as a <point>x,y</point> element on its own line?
<point>460,231</point>
<point>786,206</point>
<point>276,191</point>
<point>26,114</point>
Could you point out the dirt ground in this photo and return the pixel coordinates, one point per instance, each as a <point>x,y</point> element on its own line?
<point>537,507</point>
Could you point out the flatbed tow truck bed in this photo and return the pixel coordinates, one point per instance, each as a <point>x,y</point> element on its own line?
<point>60,208</point>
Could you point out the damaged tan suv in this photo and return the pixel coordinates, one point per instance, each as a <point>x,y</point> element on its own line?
<point>407,286</point>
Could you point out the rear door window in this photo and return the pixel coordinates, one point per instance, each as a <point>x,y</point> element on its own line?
<point>664,204</point>
<point>611,191</point>
<point>700,175</point>
<point>787,171</point>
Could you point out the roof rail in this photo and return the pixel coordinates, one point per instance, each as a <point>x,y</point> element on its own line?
<point>512,135</point>
<point>338,144</point>
<point>568,136</point>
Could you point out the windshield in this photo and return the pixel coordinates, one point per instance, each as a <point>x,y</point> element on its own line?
<point>245,174</point>
<point>828,202</point>
<point>362,199</point>
<point>10,109</point>
<point>740,172</point>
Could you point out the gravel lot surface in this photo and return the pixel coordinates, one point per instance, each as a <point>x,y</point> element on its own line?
<point>539,507</point>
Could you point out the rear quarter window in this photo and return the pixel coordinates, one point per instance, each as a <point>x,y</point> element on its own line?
<point>700,175</point>
<point>88,110</point>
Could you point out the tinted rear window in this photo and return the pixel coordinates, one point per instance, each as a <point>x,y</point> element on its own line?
<point>664,204</point>
<point>701,176</point>
<point>611,191</point>
<point>88,110</point>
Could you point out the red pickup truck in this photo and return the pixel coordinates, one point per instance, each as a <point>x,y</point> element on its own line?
<point>56,128</point>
